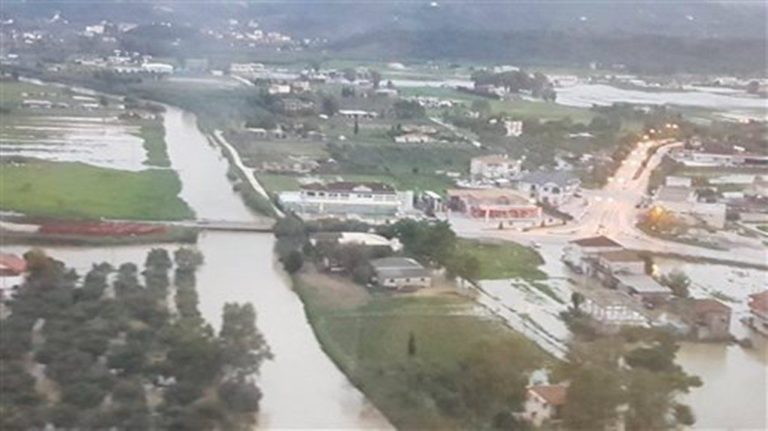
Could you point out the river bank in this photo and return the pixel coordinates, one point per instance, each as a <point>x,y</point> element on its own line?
<point>416,355</point>
<point>301,386</point>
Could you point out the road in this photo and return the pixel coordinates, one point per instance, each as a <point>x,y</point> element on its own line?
<point>248,172</point>
<point>613,212</point>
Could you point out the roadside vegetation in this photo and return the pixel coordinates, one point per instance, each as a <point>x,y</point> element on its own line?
<point>77,190</point>
<point>117,355</point>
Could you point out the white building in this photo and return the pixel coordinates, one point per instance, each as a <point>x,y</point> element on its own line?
<point>719,159</point>
<point>676,181</point>
<point>513,128</point>
<point>159,68</point>
<point>400,272</point>
<point>414,138</point>
<point>552,188</point>
<point>374,202</point>
<point>279,89</point>
<point>493,167</point>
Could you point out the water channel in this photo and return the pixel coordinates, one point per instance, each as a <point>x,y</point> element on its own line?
<point>302,387</point>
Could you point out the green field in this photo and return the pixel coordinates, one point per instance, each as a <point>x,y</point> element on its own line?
<point>501,260</point>
<point>368,335</point>
<point>77,190</point>
<point>153,134</point>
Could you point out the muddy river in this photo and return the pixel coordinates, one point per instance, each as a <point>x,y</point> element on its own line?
<point>302,387</point>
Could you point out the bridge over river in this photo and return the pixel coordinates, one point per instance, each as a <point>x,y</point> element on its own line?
<point>258,225</point>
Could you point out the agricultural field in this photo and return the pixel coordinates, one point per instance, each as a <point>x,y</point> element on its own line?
<point>78,190</point>
<point>386,344</point>
<point>81,155</point>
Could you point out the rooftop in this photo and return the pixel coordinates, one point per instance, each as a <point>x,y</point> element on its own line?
<point>360,238</point>
<point>494,158</point>
<point>621,256</point>
<point>398,267</point>
<point>561,178</point>
<point>643,284</point>
<point>12,264</point>
<point>347,186</point>
<point>674,193</point>
<point>759,301</point>
<point>596,241</point>
<point>512,196</point>
<point>553,394</point>
<point>709,305</point>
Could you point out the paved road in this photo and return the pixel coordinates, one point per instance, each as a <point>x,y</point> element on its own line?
<point>612,212</point>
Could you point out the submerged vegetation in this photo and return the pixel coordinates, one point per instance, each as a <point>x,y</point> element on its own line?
<point>116,352</point>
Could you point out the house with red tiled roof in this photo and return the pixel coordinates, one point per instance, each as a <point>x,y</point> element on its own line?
<point>543,403</point>
<point>581,254</point>
<point>12,270</point>
<point>758,312</point>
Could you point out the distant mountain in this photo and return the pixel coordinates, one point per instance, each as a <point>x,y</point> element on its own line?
<point>339,19</point>
<point>655,35</point>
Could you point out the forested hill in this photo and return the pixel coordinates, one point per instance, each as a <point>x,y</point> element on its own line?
<point>337,19</point>
<point>639,53</point>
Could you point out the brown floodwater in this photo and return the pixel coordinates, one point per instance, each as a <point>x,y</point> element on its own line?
<point>302,387</point>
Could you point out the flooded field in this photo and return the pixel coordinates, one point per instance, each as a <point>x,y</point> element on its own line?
<point>55,123</point>
<point>302,387</point>
<point>105,142</point>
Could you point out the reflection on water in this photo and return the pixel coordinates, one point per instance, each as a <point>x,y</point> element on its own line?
<point>735,385</point>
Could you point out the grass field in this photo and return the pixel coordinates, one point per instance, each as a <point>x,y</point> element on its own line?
<point>367,336</point>
<point>504,260</point>
<point>76,190</point>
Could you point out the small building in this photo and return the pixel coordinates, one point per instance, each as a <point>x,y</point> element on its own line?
<point>300,86</point>
<point>580,254</point>
<point>644,288</point>
<point>279,89</point>
<point>758,312</point>
<point>157,68</point>
<point>544,403</point>
<point>493,168</point>
<point>36,104</point>
<point>414,138</point>
<point>502,205</point>
<point>513,128</point>
<point>400,272</point>
<point>707,319</point>
<point>12,270</point>
<point>675,181</point>
<point>355,238</point>
<point>357,113</point>
<point>550,187</point>
<point>620,262</point>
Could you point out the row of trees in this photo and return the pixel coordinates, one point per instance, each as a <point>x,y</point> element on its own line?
<point>111,345</point>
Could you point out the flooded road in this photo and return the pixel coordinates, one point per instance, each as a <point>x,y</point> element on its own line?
<point>302,387</point>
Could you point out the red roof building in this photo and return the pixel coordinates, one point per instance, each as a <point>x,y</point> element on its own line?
<point>12,265</point>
